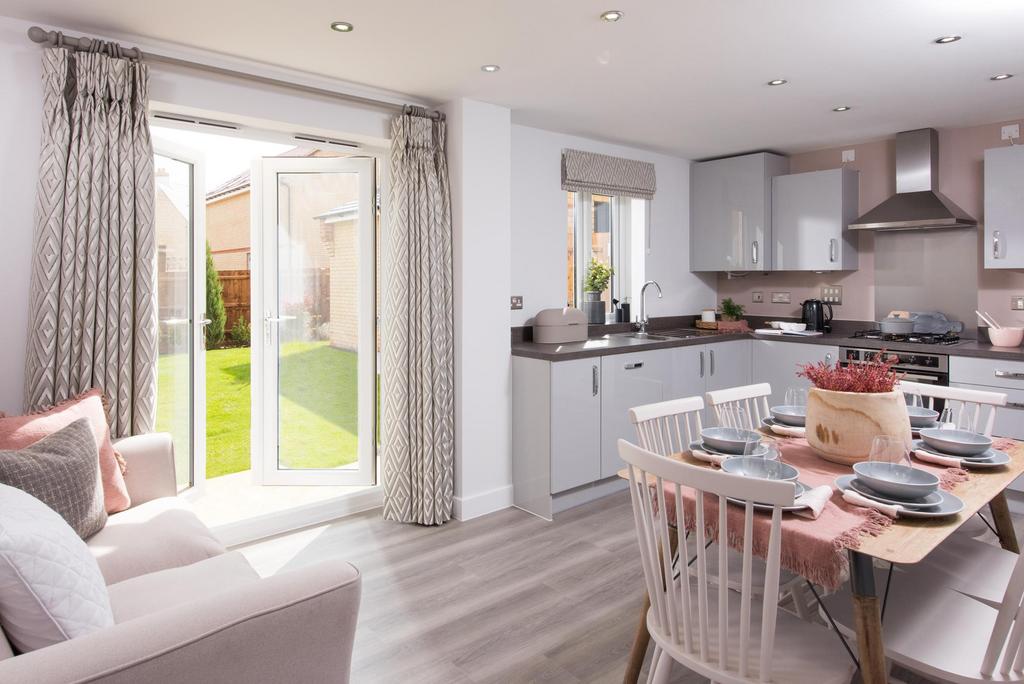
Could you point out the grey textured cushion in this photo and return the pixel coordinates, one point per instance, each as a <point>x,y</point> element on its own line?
<point>63,471</point>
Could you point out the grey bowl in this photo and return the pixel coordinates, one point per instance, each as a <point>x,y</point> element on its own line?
<point>921,417</point>
<point>956,442</point>
<point>895,480</point>
<point>748,466</point>
<point>729,440</point>
<point>790,415</point>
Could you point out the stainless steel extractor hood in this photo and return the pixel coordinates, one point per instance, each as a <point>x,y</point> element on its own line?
<point>917,204</point>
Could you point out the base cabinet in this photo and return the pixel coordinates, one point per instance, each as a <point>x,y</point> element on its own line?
<point>575,423</point>
<point>777,363</point>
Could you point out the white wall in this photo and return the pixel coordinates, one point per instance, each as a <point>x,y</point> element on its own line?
<point>244,101</point>
<point>539,216</point>
<point>479,150</point>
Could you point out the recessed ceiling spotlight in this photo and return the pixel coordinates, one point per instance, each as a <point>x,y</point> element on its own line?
<point>777,81</point>
<point>490,68</point>
<point>342,26</point>
<point>944,40</point>
<point>841,108</point>
<point>1000,77</point>
<point>612,16</point>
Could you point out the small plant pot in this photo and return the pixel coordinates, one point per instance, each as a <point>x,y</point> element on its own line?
<point>593,307</point>
<point>842,425</point>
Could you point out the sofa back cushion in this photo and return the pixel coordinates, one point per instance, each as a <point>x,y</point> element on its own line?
<point>18,432</point>
<point>5,646</point>
<point>63,472</point>
<point>51,589</point>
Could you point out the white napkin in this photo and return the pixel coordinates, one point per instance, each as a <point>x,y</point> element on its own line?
<point>814,500</point>
<point>708,457</point>
<point>937,459</point>
<point>856,499</point>
<point>788,430</point>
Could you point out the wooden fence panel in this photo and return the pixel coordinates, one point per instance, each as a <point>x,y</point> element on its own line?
<point>236,296</point>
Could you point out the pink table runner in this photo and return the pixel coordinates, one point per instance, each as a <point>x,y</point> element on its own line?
<point>814,549</point>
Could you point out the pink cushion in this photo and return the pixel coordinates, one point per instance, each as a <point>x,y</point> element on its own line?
<point>18,432</point>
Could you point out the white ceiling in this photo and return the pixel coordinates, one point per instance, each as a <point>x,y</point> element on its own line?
<point>680,76</point>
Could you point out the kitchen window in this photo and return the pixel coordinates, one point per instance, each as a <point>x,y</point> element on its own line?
<point>612,230</point>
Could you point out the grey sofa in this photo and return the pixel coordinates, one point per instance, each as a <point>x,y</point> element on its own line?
<point>186,610</point>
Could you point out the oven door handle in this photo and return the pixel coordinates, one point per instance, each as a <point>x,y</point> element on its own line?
<point>926,379</point>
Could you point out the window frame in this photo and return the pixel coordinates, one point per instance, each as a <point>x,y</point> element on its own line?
<point>621,242</point>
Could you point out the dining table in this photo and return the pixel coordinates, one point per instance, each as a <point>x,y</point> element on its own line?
<point>903,542</point>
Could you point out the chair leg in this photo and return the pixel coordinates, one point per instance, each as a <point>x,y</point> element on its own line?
<point>661,667</point>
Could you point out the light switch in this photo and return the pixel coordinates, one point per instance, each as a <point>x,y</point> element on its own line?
<point>517,302</point>
<point>1017,303</point>
<point>757,297</point>
<point>1011,132</point>
<point>781,298</point>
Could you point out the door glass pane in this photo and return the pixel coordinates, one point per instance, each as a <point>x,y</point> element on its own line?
<point>601,236</point>
<point>318,302</point>
<point>174,234</point>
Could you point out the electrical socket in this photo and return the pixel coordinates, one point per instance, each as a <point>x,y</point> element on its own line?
<point>517,302</point>
<point>849,155</point>
<point>1017,303</point>
<point>1011,132</point>
<point>781,298</point>
<point>757,297</point>
<point>832,294</point>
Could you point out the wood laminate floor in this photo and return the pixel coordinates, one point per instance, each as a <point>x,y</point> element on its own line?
<point>503,598</point>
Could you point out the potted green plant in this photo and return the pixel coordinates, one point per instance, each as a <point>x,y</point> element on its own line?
<point>594,283</point>
<point>851,405</point>
<point>732,316</point>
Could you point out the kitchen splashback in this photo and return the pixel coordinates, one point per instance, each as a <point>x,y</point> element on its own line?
<point>933,270</point>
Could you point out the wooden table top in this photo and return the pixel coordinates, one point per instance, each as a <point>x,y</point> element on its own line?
<point>910,540</point>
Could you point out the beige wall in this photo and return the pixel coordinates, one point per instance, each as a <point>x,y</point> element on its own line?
<point>227,231</point>
<point>343,330</point>
<point>961,155</point>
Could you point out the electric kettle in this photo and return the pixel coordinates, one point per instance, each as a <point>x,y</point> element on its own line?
<point>815,316</point>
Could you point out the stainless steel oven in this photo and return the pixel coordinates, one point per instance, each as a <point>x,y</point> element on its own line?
<point>923,367</point>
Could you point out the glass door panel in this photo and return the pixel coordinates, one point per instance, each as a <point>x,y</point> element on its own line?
<point>318,343</point>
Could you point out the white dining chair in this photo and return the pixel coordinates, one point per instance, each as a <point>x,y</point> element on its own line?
<point>944,634</point>
<point>753,399</point>
<point>703,626</point>
<point>978,406</point>
<point>669,427</point>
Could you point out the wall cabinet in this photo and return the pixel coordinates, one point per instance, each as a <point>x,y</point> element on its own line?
<point>731,212</point>
<point>1004,207</point>
<point>810,215</point>
<point>777,363</point>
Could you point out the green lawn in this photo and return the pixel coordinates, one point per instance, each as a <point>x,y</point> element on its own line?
<point>318,407</point>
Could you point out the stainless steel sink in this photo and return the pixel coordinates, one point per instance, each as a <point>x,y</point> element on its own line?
<point>637,338</point>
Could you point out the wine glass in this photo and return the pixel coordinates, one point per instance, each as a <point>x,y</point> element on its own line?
<point>947,420</point>
<point>796,396</point>
<point>891,450</point>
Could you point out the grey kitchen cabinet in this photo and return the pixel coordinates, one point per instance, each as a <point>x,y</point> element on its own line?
<point>810,215</point>
<point>629,380</point>
<point>707,367</point>
<point>1004,207</point>
<point>575,423</point>
<point>777,363</point>
<point>731,212</point>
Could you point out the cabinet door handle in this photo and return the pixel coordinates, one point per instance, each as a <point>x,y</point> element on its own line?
<point>995,244</point>
<point>702,364</point>
<point>711,353</point>
<point>1015,404</point>
<point>596,382</point>
<point>1010,375</point>
<point>753,251</point>
<point>832,250</point>
<point>634,365</point>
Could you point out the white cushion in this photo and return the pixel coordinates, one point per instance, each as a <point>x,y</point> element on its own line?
<point>51,588</point>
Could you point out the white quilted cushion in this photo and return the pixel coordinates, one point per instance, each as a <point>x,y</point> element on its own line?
<point>51,588</point>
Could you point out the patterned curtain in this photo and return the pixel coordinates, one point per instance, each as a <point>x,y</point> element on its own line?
<point>417,354</point>
<point>93,314</point>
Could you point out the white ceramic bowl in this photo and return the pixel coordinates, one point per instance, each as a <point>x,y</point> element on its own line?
<point>921,416</point>
<point>728,440</point>
<point>790,415</point>
<point>760,468</point>
<point>1005,337</point>
<point>895,480</point>
<point>792,327</point>
<point>956,442</point>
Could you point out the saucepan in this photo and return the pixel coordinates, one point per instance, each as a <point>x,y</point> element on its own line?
<point>896,326</point>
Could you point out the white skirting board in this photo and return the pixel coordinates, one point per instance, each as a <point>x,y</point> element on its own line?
<point>468,507</point>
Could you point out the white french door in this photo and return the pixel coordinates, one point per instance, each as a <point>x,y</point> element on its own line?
<point>180,227</point>
<point>314,334</point>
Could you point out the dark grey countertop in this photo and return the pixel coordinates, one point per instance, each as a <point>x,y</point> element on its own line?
<point>618,344</point>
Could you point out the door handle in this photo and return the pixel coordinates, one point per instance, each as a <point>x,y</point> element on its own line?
<point>176,321</point>
<point>1015,404</point>
<point>634,365</point>
<point>711,353</point>
<point>594,377</point>
<point>1009,375</point>
<point>702,364</point>
<point>832,250</point>
<point>275,319</point>
<point>995,244</point>
<point>753,251</point>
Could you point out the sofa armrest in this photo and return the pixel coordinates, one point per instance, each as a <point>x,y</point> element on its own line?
<point>297,626</point>
<point>150,466</point>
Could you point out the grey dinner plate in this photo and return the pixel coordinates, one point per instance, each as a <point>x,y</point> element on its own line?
<point>761,450</point>
<point>950,504</point>
<point>930,501</point>
<point>993,458</point>
<point>800,489</point>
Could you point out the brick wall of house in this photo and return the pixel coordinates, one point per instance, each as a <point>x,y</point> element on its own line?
<point>227,231</point>
<point>343,330</point>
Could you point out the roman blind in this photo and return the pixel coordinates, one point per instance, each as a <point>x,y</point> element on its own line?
<point>607,175</point>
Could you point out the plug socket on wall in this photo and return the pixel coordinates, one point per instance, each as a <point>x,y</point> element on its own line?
<point>517,302</point>
<point>781,298</point>
<point>757,297</point>
<point>1016,303</point>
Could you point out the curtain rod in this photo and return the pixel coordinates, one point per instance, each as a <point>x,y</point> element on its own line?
<point>56,38</point>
